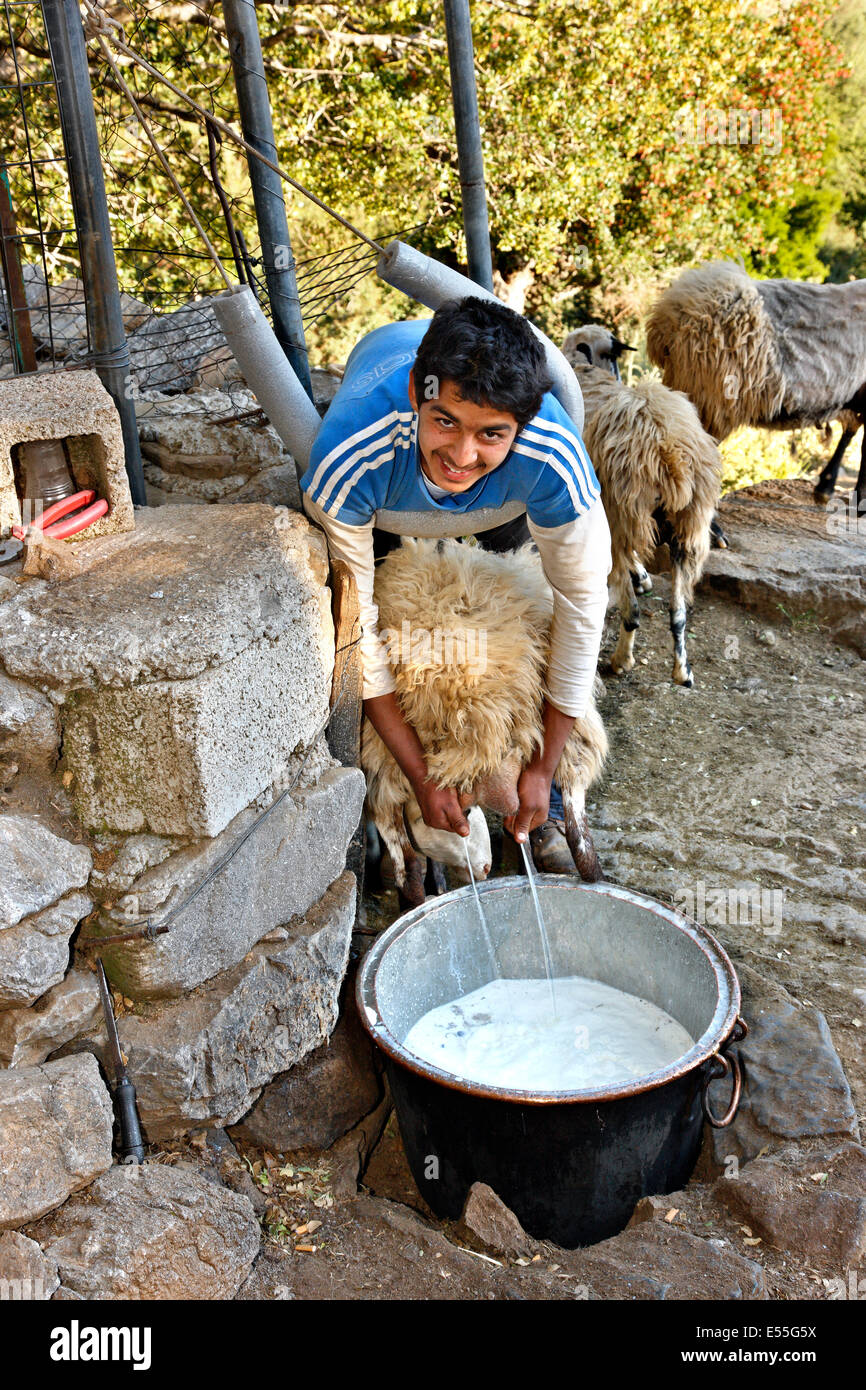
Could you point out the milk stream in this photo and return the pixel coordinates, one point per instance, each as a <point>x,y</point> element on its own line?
<point>545,944</point>
<point>490,951</point>
<point>503,1035</point>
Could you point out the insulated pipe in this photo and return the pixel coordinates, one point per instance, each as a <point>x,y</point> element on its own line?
<point>267,371</point>
<point>433,284</point>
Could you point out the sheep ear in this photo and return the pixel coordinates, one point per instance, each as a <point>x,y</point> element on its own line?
<point>584,348</point>
<point>617,348</point>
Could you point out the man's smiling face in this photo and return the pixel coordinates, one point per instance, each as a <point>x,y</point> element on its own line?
<point>459,441</point>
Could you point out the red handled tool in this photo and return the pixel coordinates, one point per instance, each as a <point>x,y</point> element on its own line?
<point>50,524</point>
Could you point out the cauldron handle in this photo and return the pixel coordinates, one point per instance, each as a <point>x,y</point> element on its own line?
<point>720,1066</point>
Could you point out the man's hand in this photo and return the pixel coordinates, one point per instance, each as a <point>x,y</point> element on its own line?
<point>440,807</point>
<point>533,790</point>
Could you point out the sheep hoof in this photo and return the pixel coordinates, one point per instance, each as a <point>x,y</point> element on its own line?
<point>822,499</point>
<point>684,677</point>
<point>641,583</point>
<point>619,667</point>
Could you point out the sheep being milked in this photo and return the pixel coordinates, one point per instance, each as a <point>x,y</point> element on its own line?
<point>776,354</point>
<point>660,475</point>
<point>468,636</point>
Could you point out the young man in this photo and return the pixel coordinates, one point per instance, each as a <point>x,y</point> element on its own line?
<point>448,427</point>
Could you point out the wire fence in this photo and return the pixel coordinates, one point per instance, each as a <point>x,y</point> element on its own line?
<point>165,271</point>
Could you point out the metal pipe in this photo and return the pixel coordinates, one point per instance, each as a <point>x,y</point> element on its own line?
<point>255,111</point>
<point>109,351</point>
<point>461,62</point>
<point>432,284</point>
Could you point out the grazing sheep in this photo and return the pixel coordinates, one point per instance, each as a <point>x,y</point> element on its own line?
<point>468,638</point>
<point>773,353</point>
<point>659,474</point>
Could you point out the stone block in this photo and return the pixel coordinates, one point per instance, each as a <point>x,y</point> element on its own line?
<point>29,726</point>
<point>25,1273</point>
<point>29,1035</point>
<point>284,867</point>
<point>34,954</point>
<point>55,1135</point>
<point>75,407</point>
<point>202,1061</point>
<point>320,1099</point>
<point>36,867</point>
<point>153,1232</point>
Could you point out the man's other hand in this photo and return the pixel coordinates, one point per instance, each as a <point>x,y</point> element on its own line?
<point>440,807</point>
<point>533,790</point>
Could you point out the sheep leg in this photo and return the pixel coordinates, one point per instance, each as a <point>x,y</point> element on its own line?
<point>826,484</point>
<point>640,580</point>
<point>682,672</point>
<point>578,836</point>
<point>629,612</point>
<point>860,490</point>
<point>409,867</point>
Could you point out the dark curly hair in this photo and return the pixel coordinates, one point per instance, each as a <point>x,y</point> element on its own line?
<point>489,352</point>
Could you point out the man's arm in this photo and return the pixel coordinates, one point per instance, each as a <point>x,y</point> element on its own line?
<point>576,561</point>
<point>440,807</point>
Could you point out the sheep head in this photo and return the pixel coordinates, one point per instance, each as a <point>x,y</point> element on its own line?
<point>594,346</point>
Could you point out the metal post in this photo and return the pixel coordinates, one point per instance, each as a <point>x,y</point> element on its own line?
<point>255,111</point>
<point>110,354</point>
<point>458,30</point>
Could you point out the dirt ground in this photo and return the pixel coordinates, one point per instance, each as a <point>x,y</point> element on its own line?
<point>752,778</point>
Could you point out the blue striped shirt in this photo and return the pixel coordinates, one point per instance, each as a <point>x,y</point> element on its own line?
<point>365,457</point>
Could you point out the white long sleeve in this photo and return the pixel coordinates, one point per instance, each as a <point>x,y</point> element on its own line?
<point>576,559</point>
<point>354,546</point>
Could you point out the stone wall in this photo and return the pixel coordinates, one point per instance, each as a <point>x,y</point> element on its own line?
<point>161,735</point>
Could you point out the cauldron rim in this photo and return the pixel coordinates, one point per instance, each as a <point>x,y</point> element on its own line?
<point>713,1038</point>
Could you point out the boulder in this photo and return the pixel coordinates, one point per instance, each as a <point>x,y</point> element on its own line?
<point>657,1262</point>
<point>55,1135</point>
<point>34,954</point>
<point>794,1086</point>
<point>203,1060</point>
<point>153,1232</point>
<point>284,867</point>
<point>25,1273</point>
<point>28,1036</point>
<point>490,1221</point>
<point>29,725</point>
<point>321,1098</point>
<point>811,1204</point>
<point>36,868</point>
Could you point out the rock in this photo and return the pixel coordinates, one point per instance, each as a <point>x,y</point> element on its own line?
<point>34,954</point>
<point>278,486</point>
<point>655,1261</point>
<point>29,725</point>
<point>166,350</point>
<point>348,1158</point>
<point>487,1217</point>
<point>190,487</point>
<point>226,580</point>
<point>654,1208</point>
<point>814,1204</point>
<point>209,639</point>
<point>36,867</point>
<point>793,1085</point>
<point>785,553</point>
<point>27,1036</point>
<point>315,1103</point>
<point>153,1232</point>
<point>25,1273</point>
<point>203,1060</point>
<point>280,871</point>
<point>49,559</point>
<point>55,1135</point>
<point>767,637</point>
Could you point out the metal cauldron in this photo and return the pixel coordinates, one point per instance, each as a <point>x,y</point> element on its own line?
<point>570,1164</point>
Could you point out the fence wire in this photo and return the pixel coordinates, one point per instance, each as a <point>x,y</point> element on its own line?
<point>166,275</point>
